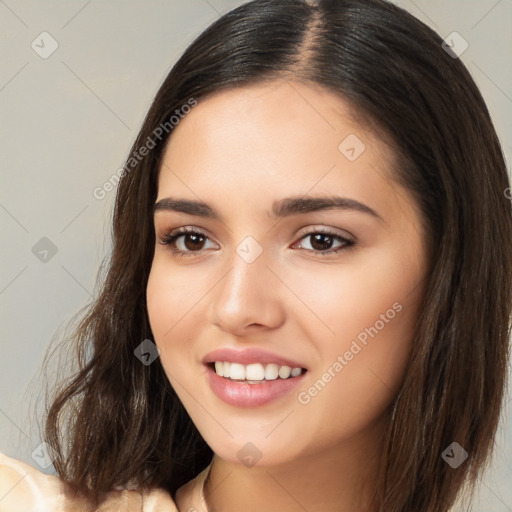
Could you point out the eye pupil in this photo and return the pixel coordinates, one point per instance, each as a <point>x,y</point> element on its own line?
<point>317,239</point>
<point>197,241</point>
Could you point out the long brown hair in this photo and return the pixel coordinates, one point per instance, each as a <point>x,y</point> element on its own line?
<point>119,421</point>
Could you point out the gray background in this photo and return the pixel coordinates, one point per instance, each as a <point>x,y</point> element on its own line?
<point>68,123</point>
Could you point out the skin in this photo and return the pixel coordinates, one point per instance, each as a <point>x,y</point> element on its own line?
<point>239,151</point>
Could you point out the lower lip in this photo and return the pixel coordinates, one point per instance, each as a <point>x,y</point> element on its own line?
<point>242,394</point>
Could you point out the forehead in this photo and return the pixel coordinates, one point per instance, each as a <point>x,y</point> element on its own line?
<point>277,137</point>
<point>270,115</point>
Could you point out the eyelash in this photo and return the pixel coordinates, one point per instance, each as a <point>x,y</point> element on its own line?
<point>171,236</point>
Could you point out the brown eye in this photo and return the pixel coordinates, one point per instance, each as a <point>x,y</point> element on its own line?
<point>321,242</point>
<point>185,241</point>
<point>193,241</point>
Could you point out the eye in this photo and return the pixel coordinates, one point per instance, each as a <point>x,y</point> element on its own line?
<point>193,241</point>
<point>321,241</point>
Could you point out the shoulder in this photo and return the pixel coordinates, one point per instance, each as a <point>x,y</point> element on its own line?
<point>24,488</point>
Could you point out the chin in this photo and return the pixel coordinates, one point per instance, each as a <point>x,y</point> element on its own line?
<point>254,447</point>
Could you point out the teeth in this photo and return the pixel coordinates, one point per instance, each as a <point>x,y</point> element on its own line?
<point>296,372</point>
<point>271,371</point>
<point>237,371</point>
<point>284,372</point>
<point>255,372</point>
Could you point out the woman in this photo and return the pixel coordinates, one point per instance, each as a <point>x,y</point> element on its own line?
<point>309,297</point>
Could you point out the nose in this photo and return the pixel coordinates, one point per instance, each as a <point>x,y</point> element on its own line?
<point>248,297</point>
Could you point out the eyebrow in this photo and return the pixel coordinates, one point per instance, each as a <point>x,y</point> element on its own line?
<point>282,208</point>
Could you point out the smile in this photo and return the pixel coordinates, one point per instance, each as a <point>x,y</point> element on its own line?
<point>252,376</point>
<point>249,392</point>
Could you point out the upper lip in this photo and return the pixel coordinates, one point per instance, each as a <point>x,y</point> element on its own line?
<point>248,356</point>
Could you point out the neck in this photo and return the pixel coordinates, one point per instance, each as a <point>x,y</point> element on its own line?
<point>340,479</point>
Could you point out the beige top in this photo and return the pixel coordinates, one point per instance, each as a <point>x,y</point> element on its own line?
<point>25,489</point>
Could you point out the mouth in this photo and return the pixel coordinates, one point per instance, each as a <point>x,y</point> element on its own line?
<point>252,385</point>
<point>251,376</point>
<point>255,373</point>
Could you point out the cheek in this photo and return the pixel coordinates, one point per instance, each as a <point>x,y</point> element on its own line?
<point>369,313</point>
<point>166,302</point>
<point>175,300</point>
<point>160,301</point>
<point>170,295</point>
<point>377,291</point>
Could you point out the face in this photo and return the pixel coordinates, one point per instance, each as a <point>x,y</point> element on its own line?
<point>304,267</point>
